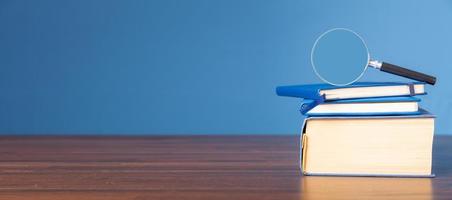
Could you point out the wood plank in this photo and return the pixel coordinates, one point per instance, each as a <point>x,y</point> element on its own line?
<point>190,167</point>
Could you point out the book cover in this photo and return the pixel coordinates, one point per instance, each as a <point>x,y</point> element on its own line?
<point>313,91</point>
<point>308,104</point>
<point>304,144</point>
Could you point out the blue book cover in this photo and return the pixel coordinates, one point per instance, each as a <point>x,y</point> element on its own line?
<point>313,91</point>
<point>308,104</point>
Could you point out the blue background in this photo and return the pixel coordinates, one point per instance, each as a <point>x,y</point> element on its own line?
<point>196,67</point>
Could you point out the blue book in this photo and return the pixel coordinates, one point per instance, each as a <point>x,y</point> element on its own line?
<point>361,107</point>
<point>326,92</point>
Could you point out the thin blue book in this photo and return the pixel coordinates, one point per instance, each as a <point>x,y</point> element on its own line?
<point>362,107</point>
<point>326,92</point>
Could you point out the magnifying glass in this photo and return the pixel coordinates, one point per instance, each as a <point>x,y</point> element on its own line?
<point>340,57</point>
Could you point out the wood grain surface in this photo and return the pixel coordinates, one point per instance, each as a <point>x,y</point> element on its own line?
<point>191,167</point>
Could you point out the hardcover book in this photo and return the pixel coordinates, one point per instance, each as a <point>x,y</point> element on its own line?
<point>368,145</point>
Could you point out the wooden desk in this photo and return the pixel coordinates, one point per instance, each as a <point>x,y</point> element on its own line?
<point>191,167</point>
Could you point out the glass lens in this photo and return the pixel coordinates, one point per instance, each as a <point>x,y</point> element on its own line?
<point>339,57</point>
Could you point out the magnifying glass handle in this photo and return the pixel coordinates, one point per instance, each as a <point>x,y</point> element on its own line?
<point>400,71</point>
<point>397,70</point>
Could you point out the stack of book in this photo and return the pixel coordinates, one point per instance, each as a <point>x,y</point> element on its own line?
<point>364,129</point>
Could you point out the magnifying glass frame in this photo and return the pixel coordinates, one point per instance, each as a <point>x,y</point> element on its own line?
<point>313,63</point>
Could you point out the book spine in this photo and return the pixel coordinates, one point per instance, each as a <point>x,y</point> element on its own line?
<point>290,91</point>
<point>307,105</point>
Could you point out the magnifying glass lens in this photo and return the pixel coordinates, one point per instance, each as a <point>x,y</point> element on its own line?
<point>339,57</point>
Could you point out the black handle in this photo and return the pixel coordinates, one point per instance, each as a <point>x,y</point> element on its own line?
<point>394,69</point>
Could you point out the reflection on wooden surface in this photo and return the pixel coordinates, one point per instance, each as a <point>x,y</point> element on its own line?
<point>316,187</point>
